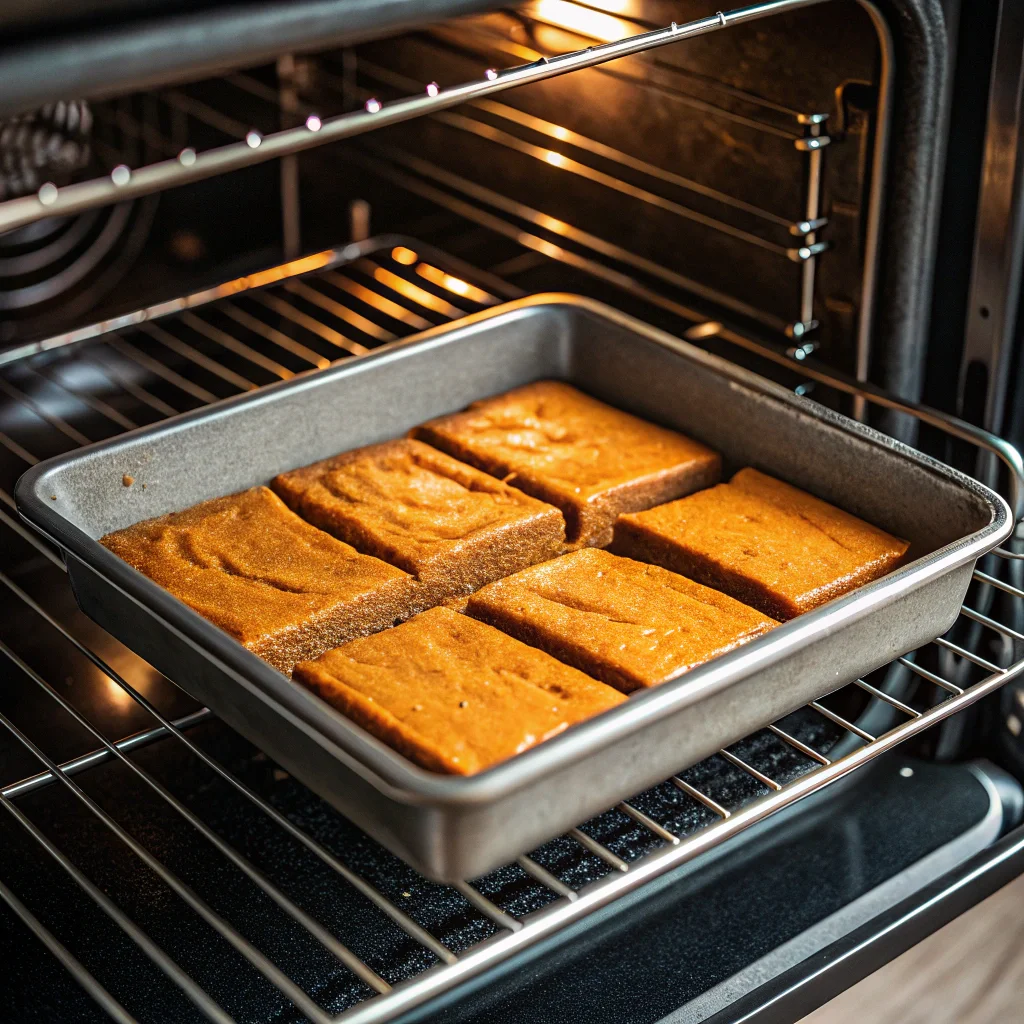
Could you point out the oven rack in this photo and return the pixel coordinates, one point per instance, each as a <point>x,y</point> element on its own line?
<point>189,165</point>
<point>137,130</point>
<point>404,289</point>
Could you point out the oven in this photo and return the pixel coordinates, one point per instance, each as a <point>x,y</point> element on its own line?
<point>199,201</point>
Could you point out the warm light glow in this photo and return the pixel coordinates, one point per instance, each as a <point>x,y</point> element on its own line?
<point>555,159</point>
<point>411,291</point>
<point>614,6</point>
<point>118,697</point>
<point>455,284</point>
<point>350,316</point>
<point>540,245</point>
<point>404,256</point>
<point>371,298</point>
<point>299,266</point>
<point>583,20</point>
<point>551,223</point>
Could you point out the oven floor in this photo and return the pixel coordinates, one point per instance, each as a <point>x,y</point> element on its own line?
<point>708,935</point>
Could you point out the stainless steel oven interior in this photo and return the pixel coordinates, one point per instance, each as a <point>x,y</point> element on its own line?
<point>767,183</point>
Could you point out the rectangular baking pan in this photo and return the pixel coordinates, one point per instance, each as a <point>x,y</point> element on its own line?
<point>454,827</point>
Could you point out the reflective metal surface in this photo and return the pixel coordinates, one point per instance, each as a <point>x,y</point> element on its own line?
<point>993,299</point>
<point>194,166</point>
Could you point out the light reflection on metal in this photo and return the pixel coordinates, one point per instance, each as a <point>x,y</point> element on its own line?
<point>234,156</point>
<point>400,254</point>
<point>411,291</point>
<point>377,301</point>
<point>455,284</point>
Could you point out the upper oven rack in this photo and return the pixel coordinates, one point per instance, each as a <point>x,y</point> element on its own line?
<point>956,674</point>
<point>189,166</point>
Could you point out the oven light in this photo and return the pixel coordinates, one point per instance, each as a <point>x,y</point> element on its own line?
<point>432,89</point>
<point>555,159</point>
<point>583,20</point>
<point>313,123</point>
<point>253,139</point>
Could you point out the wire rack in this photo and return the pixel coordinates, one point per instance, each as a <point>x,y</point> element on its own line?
<point>381,939</point>
<point>254,147</point>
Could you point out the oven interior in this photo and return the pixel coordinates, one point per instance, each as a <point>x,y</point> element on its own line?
<point>764,191</point>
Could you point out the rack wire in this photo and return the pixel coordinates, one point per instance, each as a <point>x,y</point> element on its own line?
<point>303,315</point>
<point>255,147</point>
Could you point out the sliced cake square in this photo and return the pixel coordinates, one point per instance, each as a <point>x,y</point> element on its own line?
<point>763,541</point>
<point>564,447</point>
<point>451,526</point>
<point>626,623</point>
<point>453,694</point>
<point>279,586</point>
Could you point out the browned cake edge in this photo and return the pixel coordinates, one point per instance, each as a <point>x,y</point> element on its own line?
<point>634,540</point>
<point>585,660</point>
<point>393,602</point>
<point>598,517</point>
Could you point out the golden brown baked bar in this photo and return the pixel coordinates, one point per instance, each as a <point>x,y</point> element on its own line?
<point>452,526</point>
<point>569,449</point>
<point>764,542</point>
<point>626,623</point>
<point>281,587</point>
<point>453,694</point>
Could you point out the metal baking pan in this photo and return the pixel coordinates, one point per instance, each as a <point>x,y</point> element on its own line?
<point>454,827</point>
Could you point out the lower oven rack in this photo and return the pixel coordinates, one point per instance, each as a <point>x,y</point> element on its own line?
<point>953,674</point>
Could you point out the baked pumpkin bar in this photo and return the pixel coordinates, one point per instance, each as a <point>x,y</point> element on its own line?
<point>279,586</point>
<point>451,693</point>
<point>564,447</point>
<point>763,541</point>
<point>626,623</point>
<point>451,526</point>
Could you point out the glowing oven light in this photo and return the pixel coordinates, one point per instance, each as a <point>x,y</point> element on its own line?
<point>583,20</point>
